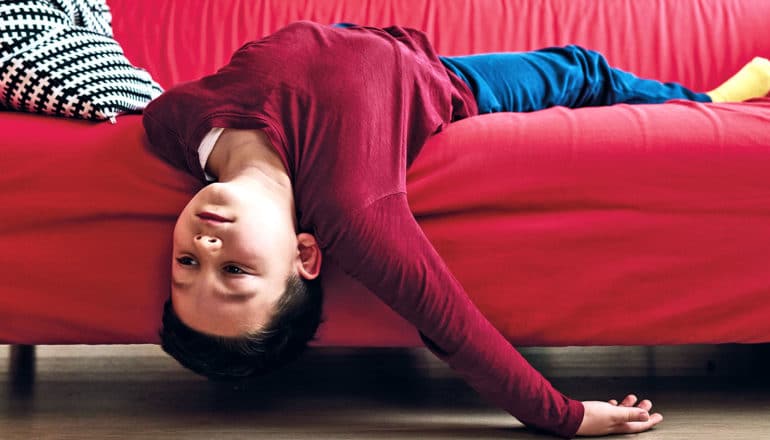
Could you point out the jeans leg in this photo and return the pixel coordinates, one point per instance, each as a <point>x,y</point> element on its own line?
<point>568,76</point>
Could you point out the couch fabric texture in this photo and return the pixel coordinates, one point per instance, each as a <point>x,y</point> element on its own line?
<point>613,225</point>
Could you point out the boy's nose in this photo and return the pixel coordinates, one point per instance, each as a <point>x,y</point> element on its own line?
<point>208,242</point>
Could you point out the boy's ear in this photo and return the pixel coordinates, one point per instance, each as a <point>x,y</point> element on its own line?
<point>309,256</point>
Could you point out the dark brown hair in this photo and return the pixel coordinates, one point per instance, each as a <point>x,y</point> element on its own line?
<point>294,323</point>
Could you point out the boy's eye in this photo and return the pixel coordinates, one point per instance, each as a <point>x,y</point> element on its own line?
<point>235,270</point>
<point>186,261</point>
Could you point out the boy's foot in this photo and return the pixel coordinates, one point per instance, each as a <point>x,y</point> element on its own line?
<point>752,81</point>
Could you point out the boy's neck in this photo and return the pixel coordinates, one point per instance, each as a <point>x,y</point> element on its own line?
<point>246,152</point>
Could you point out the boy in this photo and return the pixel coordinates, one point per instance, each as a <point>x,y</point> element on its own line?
<point>309,133</point>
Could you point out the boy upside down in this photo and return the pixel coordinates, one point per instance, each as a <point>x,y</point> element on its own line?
<point>307,135</point>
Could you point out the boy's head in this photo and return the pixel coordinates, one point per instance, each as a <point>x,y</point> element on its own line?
<point>245,292</point>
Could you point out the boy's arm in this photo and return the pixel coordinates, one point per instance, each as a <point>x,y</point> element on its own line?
<point>385,248</point>
<point>167,143</point>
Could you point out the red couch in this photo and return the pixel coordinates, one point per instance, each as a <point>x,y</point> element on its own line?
<point>616,225</point>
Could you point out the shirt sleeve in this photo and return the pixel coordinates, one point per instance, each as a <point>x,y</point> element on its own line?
<point>383,247</point>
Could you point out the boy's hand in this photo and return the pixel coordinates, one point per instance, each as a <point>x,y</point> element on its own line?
<point>603,418</point>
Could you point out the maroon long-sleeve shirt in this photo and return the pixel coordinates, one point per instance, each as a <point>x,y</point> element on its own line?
<point>348,110</point>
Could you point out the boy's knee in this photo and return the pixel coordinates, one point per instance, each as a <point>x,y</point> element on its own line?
<point>583,53</point>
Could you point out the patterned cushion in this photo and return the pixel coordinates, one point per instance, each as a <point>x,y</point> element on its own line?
<point>58,57</point>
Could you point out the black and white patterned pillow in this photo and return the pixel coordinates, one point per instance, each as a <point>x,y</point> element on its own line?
<point>58,57</point>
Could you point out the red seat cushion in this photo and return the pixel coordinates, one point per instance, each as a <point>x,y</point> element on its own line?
<point>621,225</point>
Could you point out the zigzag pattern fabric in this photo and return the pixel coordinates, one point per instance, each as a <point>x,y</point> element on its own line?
<point>58,57</point>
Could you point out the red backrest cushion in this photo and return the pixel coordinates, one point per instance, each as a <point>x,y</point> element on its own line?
<point>697,42</point>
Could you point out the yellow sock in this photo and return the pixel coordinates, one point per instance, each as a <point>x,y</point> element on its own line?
<point>752,81</point>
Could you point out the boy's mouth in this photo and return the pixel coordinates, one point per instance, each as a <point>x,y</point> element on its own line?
<point>213,217</point>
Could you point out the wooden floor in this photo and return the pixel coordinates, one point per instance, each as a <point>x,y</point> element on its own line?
<point>136,392</point>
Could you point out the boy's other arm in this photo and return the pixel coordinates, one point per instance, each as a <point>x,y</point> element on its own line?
<point>166,143</point>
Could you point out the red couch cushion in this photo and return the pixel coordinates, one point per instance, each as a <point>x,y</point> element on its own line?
<point>602,226</point>
<point>88,214</point>
<point>622,225</point>
<point>696,42</point>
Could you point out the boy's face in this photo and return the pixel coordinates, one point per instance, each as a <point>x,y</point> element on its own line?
<point>233,252</point>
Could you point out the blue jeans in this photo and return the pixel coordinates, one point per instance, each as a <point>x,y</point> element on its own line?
<point>569,76</point>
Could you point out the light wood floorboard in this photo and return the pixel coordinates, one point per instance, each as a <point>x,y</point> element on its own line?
<point>138,393</point>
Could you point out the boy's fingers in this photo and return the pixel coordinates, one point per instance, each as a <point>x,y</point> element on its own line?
<point>635,427</point>
<point>645,405</point>
<point>633,415</point>
<point>613,402</point>
<point>630,400</point>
